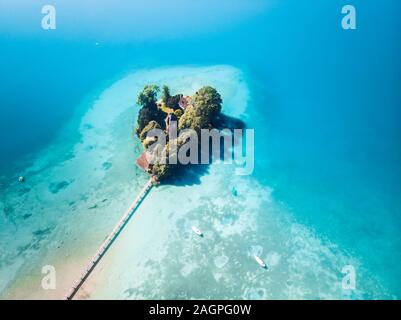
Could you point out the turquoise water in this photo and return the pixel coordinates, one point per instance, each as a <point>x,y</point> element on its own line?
<point>324,103</point>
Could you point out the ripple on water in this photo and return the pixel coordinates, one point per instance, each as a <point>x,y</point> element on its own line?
<point>256,250</point>
<point>221,261</point>
<point>227,220</point>
<point>273,259</point>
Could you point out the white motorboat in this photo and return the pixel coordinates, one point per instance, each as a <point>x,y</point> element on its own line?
<point>260,261</point>
<point>197,231</point>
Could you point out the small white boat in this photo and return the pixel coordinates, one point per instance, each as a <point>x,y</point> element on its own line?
<point>197,231</point>
<point>21,179</point>
<point>260,261</point>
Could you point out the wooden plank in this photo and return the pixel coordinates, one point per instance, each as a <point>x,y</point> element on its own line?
<point>109,240</point>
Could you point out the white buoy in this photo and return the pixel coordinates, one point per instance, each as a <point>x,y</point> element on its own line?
<point>21,179</point>
<point>260,261</point>
<point>197,231</point>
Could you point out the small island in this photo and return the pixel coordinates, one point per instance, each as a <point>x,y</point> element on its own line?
<point>172,113</point>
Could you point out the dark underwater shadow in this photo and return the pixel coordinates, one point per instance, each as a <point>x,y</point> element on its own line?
<point>228,122</point>
<point>187,175</point>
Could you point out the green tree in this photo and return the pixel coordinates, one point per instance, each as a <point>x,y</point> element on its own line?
<point>166,94</point>
<point>150,126</point>
<point>148,96</point>
<point>206,107</point>
<point>178,113</point>
<point>194,118</point>
<point>173,101</point>
<point>209,100</point>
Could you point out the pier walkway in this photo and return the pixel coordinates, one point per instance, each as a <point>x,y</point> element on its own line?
<point>109,240</point>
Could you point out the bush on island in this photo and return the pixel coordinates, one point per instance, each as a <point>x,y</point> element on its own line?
<point>150,126</point>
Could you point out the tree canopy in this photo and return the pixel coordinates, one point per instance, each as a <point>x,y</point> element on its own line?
<point>147,98</point>
<point>205,107</point>
<point>166,94</point>
<point>208,99</point>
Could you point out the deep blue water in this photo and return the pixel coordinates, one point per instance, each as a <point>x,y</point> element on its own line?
<point>329,99</point>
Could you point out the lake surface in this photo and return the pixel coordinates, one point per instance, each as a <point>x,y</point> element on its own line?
<point>324,103</point>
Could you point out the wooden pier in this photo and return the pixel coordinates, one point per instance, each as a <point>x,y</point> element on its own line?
<point>109,240</point>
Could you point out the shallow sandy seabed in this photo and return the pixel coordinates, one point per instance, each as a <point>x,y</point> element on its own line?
<point>76,191</point>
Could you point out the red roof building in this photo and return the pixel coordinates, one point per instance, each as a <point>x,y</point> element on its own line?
<point>143,161</point>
